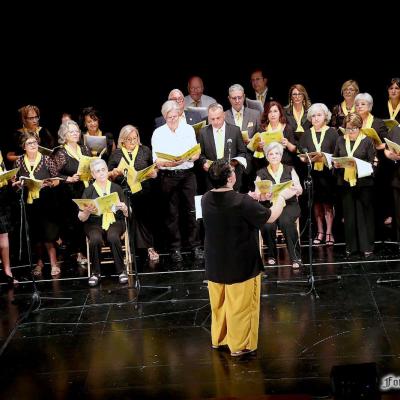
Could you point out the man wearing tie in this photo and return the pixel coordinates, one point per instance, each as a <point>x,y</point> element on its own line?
<point>260,85</point>
<point>248,120</point>
<point>196,98</point>
<point>222,140</point>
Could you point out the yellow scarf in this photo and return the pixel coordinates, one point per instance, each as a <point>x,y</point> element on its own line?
<point>77,155</point>
<point>32,193</point>
<point>318,165</point>
<point>350,172</point>
<point>393,113</point>
<point>345,110</point>
<point>277,178</point>
<point>298,118</point>
<point>108,217</point>
<point>4,182</point>
<point>134,186</point>
<point>36,131</point>
<point>369,121</point>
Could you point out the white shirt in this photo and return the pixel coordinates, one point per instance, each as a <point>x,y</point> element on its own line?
<point>174,143</point>
<point>205,101</point>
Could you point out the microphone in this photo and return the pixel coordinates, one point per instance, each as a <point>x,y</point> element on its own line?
<point>305,151</point>
<point>229,143</point>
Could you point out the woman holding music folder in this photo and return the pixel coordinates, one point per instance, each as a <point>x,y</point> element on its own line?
<point>110,224</point>
<point>132,156</point>
<point>41,204</point>
<point>321,138</point>
<point>356,192</point>
<point>67,159</point>
<point>90,119</point>
<point>384,170</point>
<point>393,104</point>
<point>273,120</point>
<point>5,224</point>
<point>394,155</point>
<point>278,173</point>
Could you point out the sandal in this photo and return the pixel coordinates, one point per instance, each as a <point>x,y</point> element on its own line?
<point>318,239</point>
<point>296,264</point>
<point>37,271</point>
<point>55,270</point>
<point>10,280</point>
<point>271,261</point>
<point>153,255</point>
<point>329,239</point>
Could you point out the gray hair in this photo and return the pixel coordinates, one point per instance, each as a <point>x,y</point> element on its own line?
<point>319,107</point>
<point>168,106</point>
<point>97,161</point>
<point>271,146</point>
<point>367,97</point>
<point>64,129</point>
<point>215,106</point>
<point>125,132</point>
<point>173,91</point>
<point>236,87</point>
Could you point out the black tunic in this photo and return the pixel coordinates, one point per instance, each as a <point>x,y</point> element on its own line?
<point>231,222</point>
<point>323,181</point>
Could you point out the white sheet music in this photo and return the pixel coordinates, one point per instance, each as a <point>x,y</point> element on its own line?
<point>197,206</point>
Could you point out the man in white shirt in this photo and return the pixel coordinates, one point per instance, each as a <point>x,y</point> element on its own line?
<point>178,181</point>
<point>196,98</point>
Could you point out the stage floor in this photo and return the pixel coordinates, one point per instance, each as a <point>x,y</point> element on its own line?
<point>108,342</point>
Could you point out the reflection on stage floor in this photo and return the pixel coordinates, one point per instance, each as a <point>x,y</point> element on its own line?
<point>115,342</point>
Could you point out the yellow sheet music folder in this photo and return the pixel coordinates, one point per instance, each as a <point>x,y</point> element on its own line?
<point>102,204</point>
<point>84,168</point>
<point>194,151</point>
<point>394,147</point>
<point>7,175</point>
<point>267,138</point>
<point>197,127</point>
<point>266,186</point>
<point>390,123</point>
<point>371,133</point>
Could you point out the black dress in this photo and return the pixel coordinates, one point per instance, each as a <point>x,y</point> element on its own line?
<point>141,201</point>
<point>5,209</point>
<point>42,214</point>
<point>357,201</point>
<point>324,183</point>
<point>71,228</point>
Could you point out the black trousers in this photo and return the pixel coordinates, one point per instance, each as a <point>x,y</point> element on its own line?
<point>396,202</point>
<point>358,213</point>
<point>287,224</point>
<point>96,234</point>
<point>178,189</point>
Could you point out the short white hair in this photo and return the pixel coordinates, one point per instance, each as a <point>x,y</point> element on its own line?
<point>271,146</point>
<point>64,130</point>
<point>319,107</point>
<point>236,87</point>
<point>366,97</point>
<point>97,161</point>
<point>168,106</point>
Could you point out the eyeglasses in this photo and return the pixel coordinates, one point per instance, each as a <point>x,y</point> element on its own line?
<point>237,98</point>
<point>349,90</point>
<point>179,99</point>
<point>171,117</point>
<point>36,118</point>
<point>351,129</point>
<point>31,143</point>
<point>297,94</point>
<point>131,140</point>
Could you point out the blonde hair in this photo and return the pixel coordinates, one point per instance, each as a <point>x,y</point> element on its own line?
<point>125,132</point>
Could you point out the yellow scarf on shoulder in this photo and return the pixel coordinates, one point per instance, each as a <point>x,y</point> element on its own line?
<point>2,183</point>
<point>319,165</point>
<point>345,110</point>
<point>32,193</point>
<point>277,177</point>
<point>108,217</point>
<point>134,186</point>
<point>298,118</point>
<point>350,174</point>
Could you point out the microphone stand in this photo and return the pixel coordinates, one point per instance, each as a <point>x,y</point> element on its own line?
<point>36,297</point>
<point>308,184</point>
<point>138,286</point>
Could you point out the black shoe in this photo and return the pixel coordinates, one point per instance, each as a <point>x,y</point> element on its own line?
<point>176,256</point>
<point>94,280</point>
<point>198,253</point>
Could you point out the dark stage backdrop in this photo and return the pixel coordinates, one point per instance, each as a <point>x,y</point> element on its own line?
<point>128,88</point>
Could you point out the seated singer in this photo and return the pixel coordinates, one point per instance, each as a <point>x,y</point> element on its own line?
<point>108,224</point>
